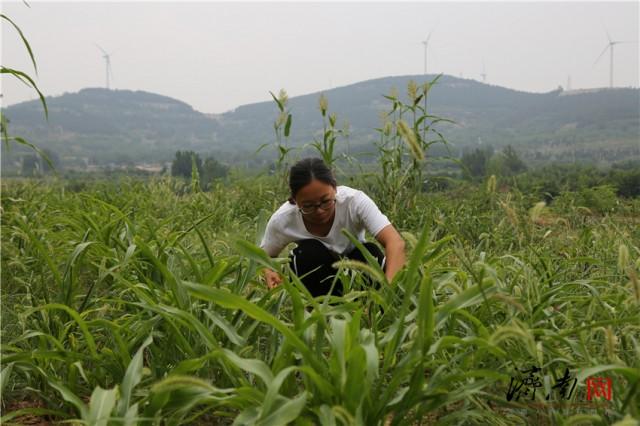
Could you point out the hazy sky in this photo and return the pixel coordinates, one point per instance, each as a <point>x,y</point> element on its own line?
<point>217,56</point>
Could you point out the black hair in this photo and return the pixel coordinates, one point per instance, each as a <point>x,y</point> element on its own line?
<point>306,170</point>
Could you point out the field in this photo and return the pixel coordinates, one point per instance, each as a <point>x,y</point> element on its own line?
<point>141,301</point>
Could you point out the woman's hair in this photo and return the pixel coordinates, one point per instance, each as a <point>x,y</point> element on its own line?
<point>306,170</point>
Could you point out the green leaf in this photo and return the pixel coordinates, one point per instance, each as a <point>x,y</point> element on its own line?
<point>78,319</point>
<point>426,315</point>
<point>253,366</point>
<point>287,126</point>
<point>205,246</point>
<point>273,387</point>
<point>247,417</point>
<point>326,416</point>
<point>29,82</point>
<point>376,271</point>
<point>132,377</point>
<point>629,372</point>
<point>416,257</point>
<point>78,366</point>
<point>189,321</point>
<point>131,416</point>
<point>24,226</point>
<point>101,405</point>
<point>469,297</point>
<point>355,384</point>
<point>178,292</point>
<point>4,377</point>
<point>232,301</point>
<point>78,251</point>
<point>35,411</point>
<point>180,394</point>
<point>626,421</point>
<point>69,396</point>
<point>254,253</point>
<point>286,413</point>
<point>368,342</point>
<point>263,146</point>
<point>215,274</point>
<point>275,98</point>
<point>193,265</point>
<point>362,267</point>
<point>338,340</point>
<point>227,328</point>
<point>24,41</point>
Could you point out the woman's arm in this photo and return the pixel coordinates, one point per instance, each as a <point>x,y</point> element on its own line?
<point>272,244</point>
<point>394,250</point>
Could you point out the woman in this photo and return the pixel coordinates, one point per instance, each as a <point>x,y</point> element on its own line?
<point>314,217</point>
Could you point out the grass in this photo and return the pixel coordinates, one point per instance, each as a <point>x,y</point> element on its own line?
<point>140,302</point>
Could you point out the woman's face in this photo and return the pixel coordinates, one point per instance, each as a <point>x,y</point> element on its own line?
<point>310,196</point>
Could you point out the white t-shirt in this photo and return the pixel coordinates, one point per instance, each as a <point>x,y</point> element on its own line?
<point>355,212</point>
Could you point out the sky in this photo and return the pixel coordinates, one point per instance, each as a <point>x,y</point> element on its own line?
<point>217,56</point>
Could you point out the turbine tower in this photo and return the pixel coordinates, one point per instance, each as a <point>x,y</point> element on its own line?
<point>484,73</point>
<point>426,45</point>
<point>610,47</point>
<point>107,60</point>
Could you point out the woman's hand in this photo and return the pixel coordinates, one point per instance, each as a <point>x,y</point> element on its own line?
<point>393,245</point>
<point>272,278</point>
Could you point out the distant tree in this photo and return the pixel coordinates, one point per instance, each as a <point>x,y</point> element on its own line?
<point>601,199</point>
<point>475,162</point>
<point>628,183</point>
<point>506,163</point>
<point>212,169</point>
<point>190,165</point>
<point>182,164</point>
<point>512,161</point>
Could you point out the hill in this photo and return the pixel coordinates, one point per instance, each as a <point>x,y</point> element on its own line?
<point>602,124</point>
<point>102,126</point>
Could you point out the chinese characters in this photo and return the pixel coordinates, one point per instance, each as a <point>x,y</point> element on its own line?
<point>527,382</point>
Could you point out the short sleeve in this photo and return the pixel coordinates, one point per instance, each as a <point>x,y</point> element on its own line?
<point>272,241</point>
<point>369,214</point>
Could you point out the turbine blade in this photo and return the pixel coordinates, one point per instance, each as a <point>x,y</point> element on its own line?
<point>605,49</point>
<point>605,30</point>
<point>98,46</point>
<point>608,36</point>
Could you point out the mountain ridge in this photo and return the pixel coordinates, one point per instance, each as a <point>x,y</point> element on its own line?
<point>124,125</point>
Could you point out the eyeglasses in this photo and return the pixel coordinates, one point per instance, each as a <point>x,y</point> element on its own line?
<point>323,205</point>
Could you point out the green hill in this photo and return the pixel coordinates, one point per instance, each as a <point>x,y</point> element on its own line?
<point>559,125</point>
<point>102,126</point>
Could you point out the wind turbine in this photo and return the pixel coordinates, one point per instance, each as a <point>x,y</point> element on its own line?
<point>610,46</point>
<point>484,73</point>
<point>426,45</point>
<point>107,60</point>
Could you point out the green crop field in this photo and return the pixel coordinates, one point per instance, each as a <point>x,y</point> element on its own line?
<point>141,302</point>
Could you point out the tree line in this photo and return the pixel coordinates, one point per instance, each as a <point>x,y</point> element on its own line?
<point>186,164</point>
